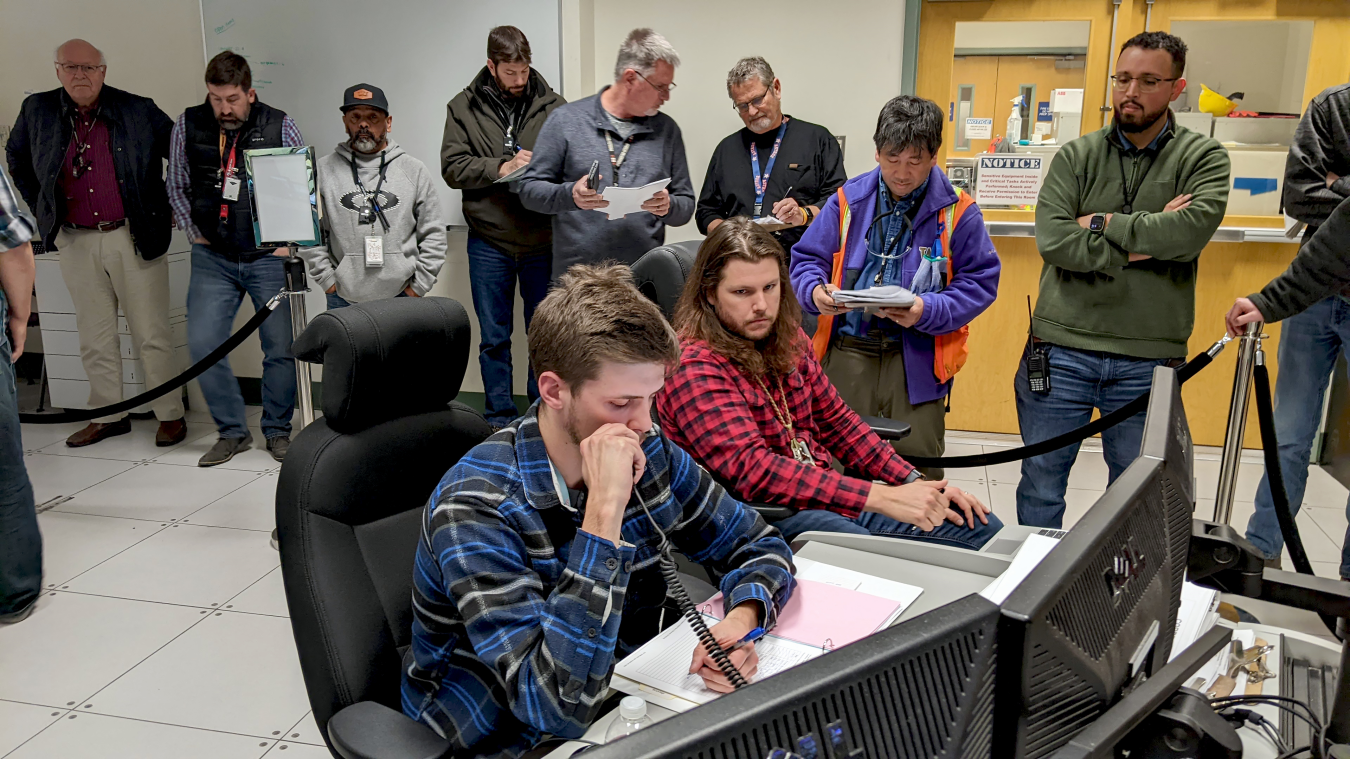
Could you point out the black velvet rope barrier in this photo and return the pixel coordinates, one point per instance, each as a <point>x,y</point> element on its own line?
<point>1270,446</point>
<point>1107,421</point>
<point>177,382</point>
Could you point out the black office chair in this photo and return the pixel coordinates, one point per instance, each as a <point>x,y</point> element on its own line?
<point>349,507</point>
<point>660,274</point>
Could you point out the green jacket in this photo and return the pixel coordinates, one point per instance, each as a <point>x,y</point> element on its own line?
<point>1092,297</point>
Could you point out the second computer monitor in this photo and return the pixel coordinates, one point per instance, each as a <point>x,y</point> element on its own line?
<point>1097,616</point>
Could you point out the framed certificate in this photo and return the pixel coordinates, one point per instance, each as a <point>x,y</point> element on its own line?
<point>284,189</point>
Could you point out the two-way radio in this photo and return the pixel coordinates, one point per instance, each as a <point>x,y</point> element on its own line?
<point>1038,359</point>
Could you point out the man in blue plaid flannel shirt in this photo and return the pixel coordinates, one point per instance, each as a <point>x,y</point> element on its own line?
<point>538,563</point>
<point>20,541</point>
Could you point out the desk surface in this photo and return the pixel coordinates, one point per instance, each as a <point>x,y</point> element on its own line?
<point>933,568</point>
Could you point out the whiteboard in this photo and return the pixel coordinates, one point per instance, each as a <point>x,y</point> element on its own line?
<point>305,53</point>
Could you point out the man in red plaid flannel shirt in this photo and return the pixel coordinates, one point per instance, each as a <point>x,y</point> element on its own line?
<point>752,405</point>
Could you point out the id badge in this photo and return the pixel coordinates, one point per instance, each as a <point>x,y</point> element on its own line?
<point>230,190</point>
<point>374,252</point>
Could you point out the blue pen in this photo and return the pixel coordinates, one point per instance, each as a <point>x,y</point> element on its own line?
<point>750,637</point>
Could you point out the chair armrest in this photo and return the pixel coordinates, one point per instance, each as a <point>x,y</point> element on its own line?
<point>887,429</point>
<point>772,513</point>
<point>370,730</point>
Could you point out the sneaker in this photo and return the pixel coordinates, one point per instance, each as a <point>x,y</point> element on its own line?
<point>276,542</point>
<point>225,449</point>
<point>277,446</point>
<point>15,617</point>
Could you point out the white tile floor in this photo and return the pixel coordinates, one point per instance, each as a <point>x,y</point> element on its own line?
<point>164,630</point>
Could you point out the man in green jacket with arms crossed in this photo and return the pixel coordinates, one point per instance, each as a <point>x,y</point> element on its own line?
<point>1121,220</point>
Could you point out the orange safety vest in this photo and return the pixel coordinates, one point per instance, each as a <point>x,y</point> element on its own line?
<point>949,351</point>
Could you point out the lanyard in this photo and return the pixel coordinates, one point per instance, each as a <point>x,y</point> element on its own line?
<point>372,199</point>
<point>226,170</point>
<point>1128,207</point>
<point>616,163</point>
<point>762,182</point>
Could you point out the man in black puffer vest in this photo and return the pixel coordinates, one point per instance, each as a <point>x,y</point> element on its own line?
<point>209,192</point>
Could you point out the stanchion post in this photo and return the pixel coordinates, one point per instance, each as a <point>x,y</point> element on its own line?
<point>296,285</point>
<point>1248,346</point>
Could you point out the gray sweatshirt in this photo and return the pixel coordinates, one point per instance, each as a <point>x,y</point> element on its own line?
<point>414,245</point>
<point>571,139</point>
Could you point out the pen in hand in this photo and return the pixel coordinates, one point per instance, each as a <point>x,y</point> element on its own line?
<point>750,637</point>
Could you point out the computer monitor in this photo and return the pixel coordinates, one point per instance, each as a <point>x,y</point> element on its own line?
<point>1097,615</point>
<point>1167,438</point>
<point>923,688</point>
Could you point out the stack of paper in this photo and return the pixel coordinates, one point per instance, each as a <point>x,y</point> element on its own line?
<point>886,296</point>
<point>1033,550</point>
<point>1198,614</point>
<point>626,200</point>
<point>771,223</point>
<point>831,607</point>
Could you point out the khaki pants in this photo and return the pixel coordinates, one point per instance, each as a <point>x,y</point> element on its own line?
<point>874,385</point>
<point>102,271</point>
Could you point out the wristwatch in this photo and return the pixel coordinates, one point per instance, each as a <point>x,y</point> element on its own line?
<point>1097,224</point>
<point>807,214</point>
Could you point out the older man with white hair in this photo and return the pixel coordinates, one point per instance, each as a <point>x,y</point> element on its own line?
<point>635,144</point>
<point>88,160</point>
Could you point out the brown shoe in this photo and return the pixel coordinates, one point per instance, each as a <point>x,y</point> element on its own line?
<point>96,432</point>
<point>171,433</point>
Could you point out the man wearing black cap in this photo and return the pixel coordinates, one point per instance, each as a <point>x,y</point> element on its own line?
<point>383,231</point>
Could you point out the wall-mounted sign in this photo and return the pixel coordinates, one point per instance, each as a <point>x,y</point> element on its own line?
<point>1008,180</point>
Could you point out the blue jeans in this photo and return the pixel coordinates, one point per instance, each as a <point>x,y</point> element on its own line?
<point>217,287</point>
<point>1310,345</point>
<point>947,534</point>
<point>493,275</point>
<point>337,301</point>
<point>20,541</point>
<point>1079,382</point>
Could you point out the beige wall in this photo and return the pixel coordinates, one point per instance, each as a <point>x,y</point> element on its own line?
<point>1266,60</point>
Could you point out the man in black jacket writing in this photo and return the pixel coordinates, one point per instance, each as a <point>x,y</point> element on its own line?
<point>88,160</point>
<point>490,129</point>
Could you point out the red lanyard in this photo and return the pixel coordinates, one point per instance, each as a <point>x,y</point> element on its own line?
<point>227,170</point>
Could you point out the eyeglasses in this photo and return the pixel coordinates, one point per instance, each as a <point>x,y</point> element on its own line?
<point>745,107</point>
<point>1147,84</point>
<point>666,90</point>
<point>80,68</point>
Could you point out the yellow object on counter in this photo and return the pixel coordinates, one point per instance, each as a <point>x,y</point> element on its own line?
<point>1213,102</point>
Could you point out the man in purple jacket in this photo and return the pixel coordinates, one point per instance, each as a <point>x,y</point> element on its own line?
<point>882,361</point>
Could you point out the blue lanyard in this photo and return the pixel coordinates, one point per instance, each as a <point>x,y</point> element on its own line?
<point>762,182</point>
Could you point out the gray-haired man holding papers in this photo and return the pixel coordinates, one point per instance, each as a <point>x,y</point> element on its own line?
<point>622,128</point>
<point>383,231</point>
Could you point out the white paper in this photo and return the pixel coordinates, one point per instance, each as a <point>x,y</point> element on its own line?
<point>903,594</point>
<point>626,200</point>
<point>771,223</point>
<point>651,695</point>
<point>979,129</point>
<point>1033,550</point>
<point>1198,612</point>
<point>891,296</point>
<point>513,176</point>
<point>281,194</point>
<point>663,662</point>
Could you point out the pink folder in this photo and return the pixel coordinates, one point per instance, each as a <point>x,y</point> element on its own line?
<point>824,616</point>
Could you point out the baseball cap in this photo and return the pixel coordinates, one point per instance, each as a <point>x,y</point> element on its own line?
<point>364,94</point>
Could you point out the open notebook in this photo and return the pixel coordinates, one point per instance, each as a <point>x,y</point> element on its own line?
<point>831,607</point>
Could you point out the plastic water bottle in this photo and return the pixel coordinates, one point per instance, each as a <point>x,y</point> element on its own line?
<point>632,718</point>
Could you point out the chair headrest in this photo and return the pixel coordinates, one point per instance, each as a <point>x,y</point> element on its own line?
<point>387,359</point>
<point>661,273</point>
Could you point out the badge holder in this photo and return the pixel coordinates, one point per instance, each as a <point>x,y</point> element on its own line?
<point>284,189</point>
